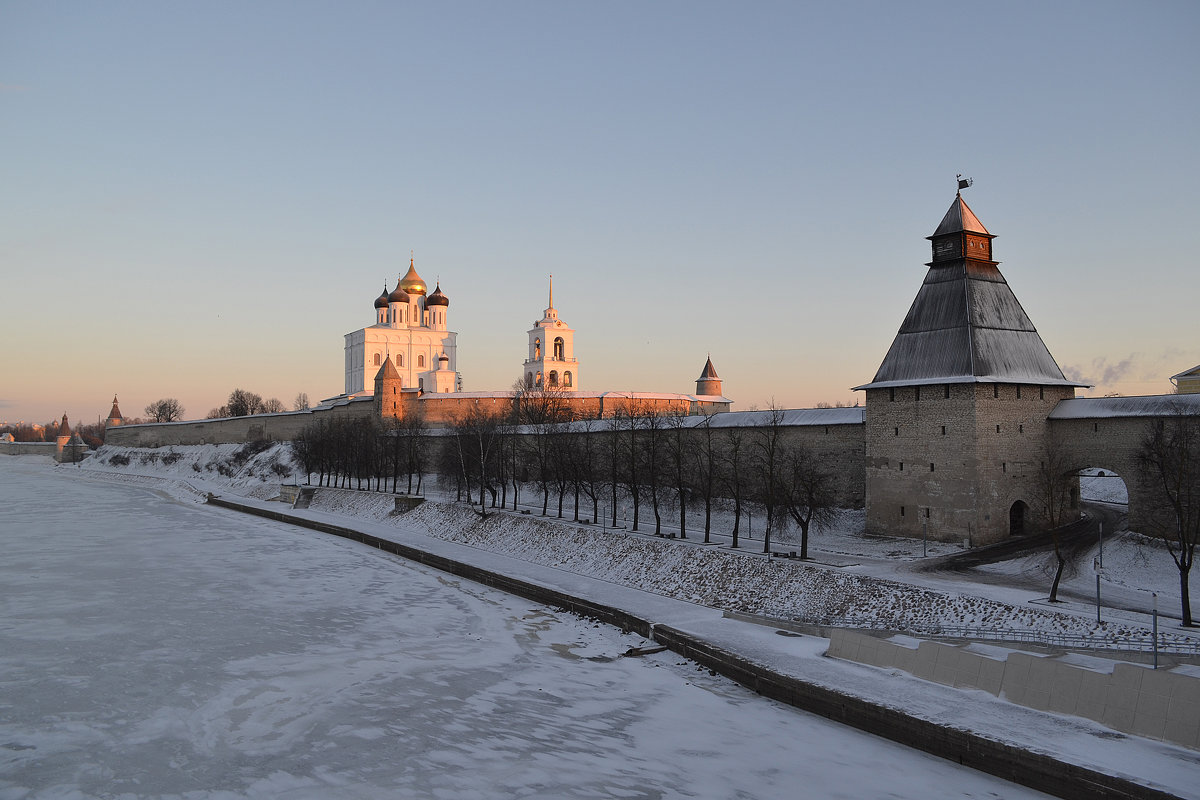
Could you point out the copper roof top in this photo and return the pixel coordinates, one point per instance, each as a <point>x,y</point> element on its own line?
<point>960,218</point>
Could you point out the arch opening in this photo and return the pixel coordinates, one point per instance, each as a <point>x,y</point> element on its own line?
<point>1018,515</point>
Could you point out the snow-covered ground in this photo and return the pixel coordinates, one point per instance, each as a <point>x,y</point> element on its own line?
<point>152,649</point>
<point>551,552</point>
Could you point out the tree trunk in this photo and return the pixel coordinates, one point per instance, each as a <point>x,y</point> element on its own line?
<point>1057,573</point>
<point>1185,599</point>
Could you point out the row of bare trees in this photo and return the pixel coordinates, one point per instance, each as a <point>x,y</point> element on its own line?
<point>366,454</point>
<point>656,464</point>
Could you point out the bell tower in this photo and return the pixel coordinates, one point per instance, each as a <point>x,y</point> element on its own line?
<point>551,363</point>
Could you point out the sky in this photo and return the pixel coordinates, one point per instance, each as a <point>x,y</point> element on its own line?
<point>208,196</point>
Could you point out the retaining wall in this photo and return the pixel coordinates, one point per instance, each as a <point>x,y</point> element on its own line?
<point>1157,704</point>
<point>28,448</point>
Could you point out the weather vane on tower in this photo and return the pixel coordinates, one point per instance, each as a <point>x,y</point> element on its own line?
<point>963,182</point>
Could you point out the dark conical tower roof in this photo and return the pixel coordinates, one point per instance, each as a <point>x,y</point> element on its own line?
<point>709,370</point>
<point>966,325</point>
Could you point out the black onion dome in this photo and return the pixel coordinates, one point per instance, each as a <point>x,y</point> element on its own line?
<point>382,300</point>
<point>437,298</point>
<point>398,295</point>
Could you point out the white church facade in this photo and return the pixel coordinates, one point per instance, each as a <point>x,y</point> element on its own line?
<point>411,332</point>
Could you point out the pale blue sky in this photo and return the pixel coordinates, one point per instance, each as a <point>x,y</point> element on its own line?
<point>209,195</point>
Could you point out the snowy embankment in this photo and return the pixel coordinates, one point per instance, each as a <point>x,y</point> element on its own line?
<point>708,575</point>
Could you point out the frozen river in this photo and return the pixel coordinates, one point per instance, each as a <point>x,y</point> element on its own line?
<point>154,649</point>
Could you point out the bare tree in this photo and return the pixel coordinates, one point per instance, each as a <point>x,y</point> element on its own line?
<point>733,473</point>
<point>167,409</point>
<point>705,469</point>
<point>805,491</point>
<point>768,445</point>
<point>272,406</point>
<point>242,403</point>
<point>1057,490</point>
<point>1170,461</point>
<point>301,402</point>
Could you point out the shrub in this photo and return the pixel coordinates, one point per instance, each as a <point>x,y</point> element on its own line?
<point>195,467</point>
<point>171,458</point>
<point>282,470</point>
<point>249,450</point>
<point>119,460</point>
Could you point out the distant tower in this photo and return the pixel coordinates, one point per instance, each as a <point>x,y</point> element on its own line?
<point>956,413</point>
<point>114,416</point>
<point>63,438</point>
<point>551,363</point>
<point>708,384</point>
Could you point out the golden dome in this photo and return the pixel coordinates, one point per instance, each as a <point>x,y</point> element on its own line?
<point>412,283</point>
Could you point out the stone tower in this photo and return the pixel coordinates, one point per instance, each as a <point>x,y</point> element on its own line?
<point>114,416</point>
<point>956,414</point>
<point>708,384</point>
<point>551,363</point>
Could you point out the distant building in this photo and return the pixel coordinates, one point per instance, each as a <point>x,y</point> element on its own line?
<point>1188,381</point>
<point>114,416</point>
<point>410,331</point>
<point>551,363</point>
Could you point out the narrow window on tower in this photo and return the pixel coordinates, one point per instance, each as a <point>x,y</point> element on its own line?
<point>995,390</point>
<point>892,394</point>
<point>1041,392</point>
<point>1018,392</point>
<point>902,511</point>
<point>943,430</point>
<point>947,391</point>
<point>1095,427</point>
<point>902,466</point>
<point>1020,429</point>
<point>927,512</point>
<point>931,467</point>
<point>897,430</point>
<point>1004,466</point>
<point>917,393</point>
<point>997,429</point>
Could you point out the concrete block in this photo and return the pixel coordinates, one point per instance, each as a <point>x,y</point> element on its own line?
<point>1183,728</point>
<point>1150,715</point>
<point>1118,717</point>
<point>1184,687</point>
<point>905,657</point>
<point>1016,677</point>
<point>1037,697</point>
<point>966,674</point>
<point>843,644</point>
<point>926,660</point>
<point>991,676</point>
<point>1093,694</point>
<point>1129,676</point>
<point>1064,690</point>
<point>946,667</point>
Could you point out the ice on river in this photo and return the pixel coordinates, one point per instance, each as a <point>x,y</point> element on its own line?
<point>154,649</point>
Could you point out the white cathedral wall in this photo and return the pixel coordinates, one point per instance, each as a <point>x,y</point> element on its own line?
<point>419,347</point>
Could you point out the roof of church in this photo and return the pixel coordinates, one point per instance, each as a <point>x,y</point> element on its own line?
<point>382,300</point>
<point>959,218</point>
<point>709,371</point>
<point>437,298</point>
<point>412,283</point>
<point>966,326</point>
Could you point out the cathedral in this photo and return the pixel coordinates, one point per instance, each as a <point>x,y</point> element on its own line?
<point>410,333</point>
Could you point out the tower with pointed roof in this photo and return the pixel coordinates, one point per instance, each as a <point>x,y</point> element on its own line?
<point>956,413</point>
<point>411,331</point>
<point>708,384</point>
<point>114,416</point>
<point>551,363</point>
